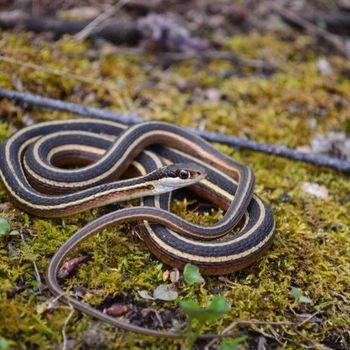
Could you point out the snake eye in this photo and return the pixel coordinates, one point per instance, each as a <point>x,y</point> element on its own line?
<point>184,174</point>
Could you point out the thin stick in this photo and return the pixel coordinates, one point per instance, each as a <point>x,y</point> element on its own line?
<point>68,107</point>
<point>307,319</point>
<point>110,11</point>
<point>337,164</point>
<point>66,321</point>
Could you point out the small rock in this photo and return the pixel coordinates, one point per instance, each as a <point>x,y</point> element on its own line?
<point>213,95</point>
<point>315,190</point>
<point>313,123</point>
<point>324,67</point>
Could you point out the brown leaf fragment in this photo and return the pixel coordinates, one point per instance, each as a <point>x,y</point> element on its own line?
<point>117,310</point>
<point>6,206</point>
<point>175,275</point>
<point>166,275</point>
<point>69,267</point>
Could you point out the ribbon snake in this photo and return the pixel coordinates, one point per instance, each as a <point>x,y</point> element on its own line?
<point>33,167</point>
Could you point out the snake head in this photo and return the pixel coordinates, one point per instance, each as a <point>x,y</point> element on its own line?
<point>177,175</point>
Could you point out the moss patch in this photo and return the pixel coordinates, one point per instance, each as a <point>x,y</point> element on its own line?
<point>311,250</point>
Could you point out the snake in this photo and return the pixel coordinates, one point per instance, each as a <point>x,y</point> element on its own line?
<point>36,169</point>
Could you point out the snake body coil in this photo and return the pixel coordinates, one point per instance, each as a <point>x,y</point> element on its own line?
<point>29,168</point>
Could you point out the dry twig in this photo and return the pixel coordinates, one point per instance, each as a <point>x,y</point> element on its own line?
<point>109,12</point>
<point>282,151</point>
<point>66,321</point>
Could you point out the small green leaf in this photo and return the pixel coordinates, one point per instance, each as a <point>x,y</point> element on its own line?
<point>304,299</point>
<point>194,311</point>
<point>189,305</point>
<point>232,344</point>
<point>219,304</point>
<point>296,293</point>
<point>299,297</point>
<point>14,233</point>
<point>192,274</point>
<point>4,344</point>
<point>216,308</point>
<point>4,227</point>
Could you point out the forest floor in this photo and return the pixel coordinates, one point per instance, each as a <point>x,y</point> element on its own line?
<point>305,96</point>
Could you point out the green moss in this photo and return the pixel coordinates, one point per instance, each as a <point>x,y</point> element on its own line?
<point>4,132</point>
<point>311,248</point>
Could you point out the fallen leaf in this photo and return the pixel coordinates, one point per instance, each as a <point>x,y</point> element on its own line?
<point>69,267</point>
<point>144,294</point>
<point>166,275</point>
<point>4,227</point>
<point>117,310</point>
<point>165,292</point>
<point>174,276</point>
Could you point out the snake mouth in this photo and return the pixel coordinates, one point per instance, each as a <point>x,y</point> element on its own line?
<point>179,175</point>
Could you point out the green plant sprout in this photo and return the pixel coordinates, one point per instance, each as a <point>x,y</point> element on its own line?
<point>232,344</point>
<point>299,297</point>
<point>5,229</point>
<point>192,275</point>
<point>198,316</point>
